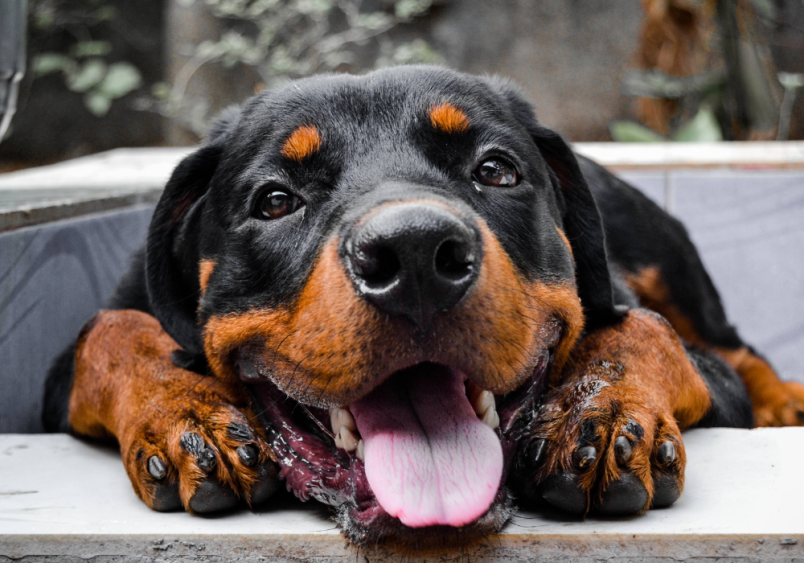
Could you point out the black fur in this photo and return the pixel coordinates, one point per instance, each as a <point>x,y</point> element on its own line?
<point>379,143</point>
<point>731,406</point>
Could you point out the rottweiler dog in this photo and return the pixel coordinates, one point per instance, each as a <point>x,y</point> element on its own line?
<point>402,296</point>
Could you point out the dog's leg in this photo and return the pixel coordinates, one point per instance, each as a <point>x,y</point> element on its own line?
<point>187,440</point>
<point>608,437</point>
<point>776,402</point>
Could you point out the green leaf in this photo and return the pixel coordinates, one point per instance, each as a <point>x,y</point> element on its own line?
<point>703,128</point>
<point>404,10</point>
<point>161,90</point>
<point>624,131</point>
<point>97,103</point>
<point>48,62</point>
<point>121,79</point>
<point>91,49</point>
<point>88,75</point>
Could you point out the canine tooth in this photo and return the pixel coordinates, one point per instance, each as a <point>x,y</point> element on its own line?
<point>483,402</point>
<point>346,440</point>
<point>491,417</point>
<point>341,417</point>
<point>359,452</point>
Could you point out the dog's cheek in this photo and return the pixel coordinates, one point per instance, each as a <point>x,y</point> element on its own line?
<point>508,320</point>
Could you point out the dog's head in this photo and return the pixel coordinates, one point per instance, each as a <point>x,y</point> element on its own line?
<point>393,264</point>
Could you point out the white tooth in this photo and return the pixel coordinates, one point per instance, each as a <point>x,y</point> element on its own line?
<point>484,401</point>
<point>359,452</point>
<point>491,417</point>
<point>346,440</point>
<point>341,417</point>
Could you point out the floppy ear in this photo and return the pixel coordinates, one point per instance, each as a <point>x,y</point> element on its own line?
<point>580,215</point>
<point>172,251</point>
<point>583,227</point>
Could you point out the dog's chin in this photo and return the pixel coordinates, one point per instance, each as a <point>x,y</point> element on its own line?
<point>405,446</point>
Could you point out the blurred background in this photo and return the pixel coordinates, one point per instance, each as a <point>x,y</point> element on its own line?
<point>111,73</point>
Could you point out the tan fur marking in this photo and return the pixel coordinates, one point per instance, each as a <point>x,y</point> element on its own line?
<point>449,119</point>
<point>303,142</point>
<point>205,268</point>
<point>127,387</point>
<point>565,240</point>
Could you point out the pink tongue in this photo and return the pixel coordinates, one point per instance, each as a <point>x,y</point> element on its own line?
<point>429,460</point>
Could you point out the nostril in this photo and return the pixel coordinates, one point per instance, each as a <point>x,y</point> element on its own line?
<point>378,267</point>
<point>454,260</point>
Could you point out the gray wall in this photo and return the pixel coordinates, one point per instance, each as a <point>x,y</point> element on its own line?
<point>748,227</point>
<point>53,278</point>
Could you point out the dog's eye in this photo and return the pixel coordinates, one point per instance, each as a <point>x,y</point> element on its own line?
<point>496,172</point>
<point>275,204</point>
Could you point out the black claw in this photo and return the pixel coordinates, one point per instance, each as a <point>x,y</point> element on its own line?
<point>585,456</point>
<point>240,432</point>
<point>211,496</point>
<point>206,460</point>
<point>622,450</point>
<point>635,429</point>
<point>625,496</point>
<point>562,491</point>
<point>248,454</point>
<point>665,491</point>
<point>157,468</point>
<point>667,453</point>
<point>193,444</point>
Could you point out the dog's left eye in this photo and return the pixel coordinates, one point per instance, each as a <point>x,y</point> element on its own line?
<point>275,204</point>
<point>496,172</point>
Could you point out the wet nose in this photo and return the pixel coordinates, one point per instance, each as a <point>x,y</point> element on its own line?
<point>413,259</point>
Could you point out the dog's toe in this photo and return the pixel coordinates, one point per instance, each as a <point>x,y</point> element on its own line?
<point>563,491</point>
<point>211,496</point>
<point>665,490</point>
<point>627,495</point>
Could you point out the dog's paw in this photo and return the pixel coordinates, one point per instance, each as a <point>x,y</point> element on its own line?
<point>604,446</point>
<point>780,404</point>
<point>198,452</point>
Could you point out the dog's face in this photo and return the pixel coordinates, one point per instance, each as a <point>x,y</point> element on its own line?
<point>393,264</point>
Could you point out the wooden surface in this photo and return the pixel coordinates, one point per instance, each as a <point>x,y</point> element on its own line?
<point>60,497</point>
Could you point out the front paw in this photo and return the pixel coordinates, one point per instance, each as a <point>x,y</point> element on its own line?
<point>200,453</point>
<point>603,446</point>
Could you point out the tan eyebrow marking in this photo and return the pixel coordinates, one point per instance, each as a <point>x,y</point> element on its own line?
<point>205,267</point>
<point>449,119</point>
<point>303,142</point>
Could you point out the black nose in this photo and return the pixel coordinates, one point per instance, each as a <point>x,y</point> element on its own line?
<point>413,259</point>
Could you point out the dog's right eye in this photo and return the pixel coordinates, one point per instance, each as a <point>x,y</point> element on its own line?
<point>275,204</point>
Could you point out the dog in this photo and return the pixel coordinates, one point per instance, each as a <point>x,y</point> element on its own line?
<point>399,294</point>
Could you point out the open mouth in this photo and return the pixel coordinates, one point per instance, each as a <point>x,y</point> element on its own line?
<point>427,448</point>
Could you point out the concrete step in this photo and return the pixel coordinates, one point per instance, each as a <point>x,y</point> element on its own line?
<point>63,499</point>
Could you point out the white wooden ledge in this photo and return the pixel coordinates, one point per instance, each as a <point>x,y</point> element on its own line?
<point>744,501</point>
